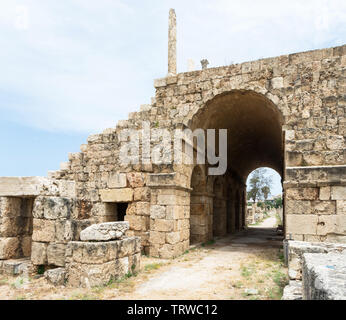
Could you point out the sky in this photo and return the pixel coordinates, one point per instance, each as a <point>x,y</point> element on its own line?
<point>70,68</point>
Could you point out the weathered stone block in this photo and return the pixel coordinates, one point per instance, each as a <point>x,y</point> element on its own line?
<point>324,193</point>
<point>157,212</point>
<point>303,224</point>
<point>117,195</point>
<point>338,193</point>
<point>302,193</point>
<point>63,231</point>
<point>25,244</point>
<point>324,276</point>
<point>105,231</point>
<point>341,207</point>
<point>173,237</point>
<point>56,276</point>
<point>138,223</point>
<point>136,179</point>
<point>162,225</point>
<point>52,208</point>
<point>56,254</point>
<point>127,247</point>
<point>39,253</point>
<point>43,230</point>
<point>9,248</point>
<point>157,237</point>
<point>141,194</point>
<point>117,180</point>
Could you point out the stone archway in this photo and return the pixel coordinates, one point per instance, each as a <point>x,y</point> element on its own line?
<point>254,139</point>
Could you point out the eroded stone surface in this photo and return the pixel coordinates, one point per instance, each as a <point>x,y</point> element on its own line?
<point>105,231</point>
<point>324,276</point>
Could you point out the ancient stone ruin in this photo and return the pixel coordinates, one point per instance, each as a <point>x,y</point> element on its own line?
<point>286,113</point>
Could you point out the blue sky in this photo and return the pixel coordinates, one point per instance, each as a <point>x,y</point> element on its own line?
<point>70,68</point>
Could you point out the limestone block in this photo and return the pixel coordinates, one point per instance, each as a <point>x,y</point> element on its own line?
<point>26,243</point>
<point>138,223</point>
<point>10,227</point>
<point>10,207</point>
<point>173,237</point>
<point>52,208</point>
<point>142,194</point>
<point>157,212</point>
<point>117,180</point>
<point>338,193</point>
<point>302,224</point>
<point>63,231</point>
<point>277,83</point>
<point>176,212</point>
<point>56,276</point>
<point>136,179</point>
<point>43,230</point>
<point>169,251</point>
<point>157,237</point>
<point>20,186</point>
<point>105,231</point>
<point>324,193</point>
<point>324,276</point>
<point>335,142</point>
<point>302,193</point>
<point>143,208</point>
<point>298,207</point>
<point>67,189</point>
<point>91,275</point>
<point>341,206</point>
<point>9,248</point>
<point>117,195</point>
<point>167,199</point>
<point>91,252</point>
<point>126,247</point>
<point>39,253</point>
<point>56,254</point>
<point>324,207</point>
<point>162,225</point>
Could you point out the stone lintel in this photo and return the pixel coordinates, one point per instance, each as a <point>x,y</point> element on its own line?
<point>21,186</point>
<point>117,195</point>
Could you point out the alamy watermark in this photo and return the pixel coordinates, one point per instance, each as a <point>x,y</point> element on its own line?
<point>162,146</point>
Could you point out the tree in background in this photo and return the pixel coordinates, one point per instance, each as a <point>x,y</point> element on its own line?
<point>259,185</point>
<point>265,192</point>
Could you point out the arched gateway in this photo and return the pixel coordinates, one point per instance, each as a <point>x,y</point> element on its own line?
<point>286,113</point>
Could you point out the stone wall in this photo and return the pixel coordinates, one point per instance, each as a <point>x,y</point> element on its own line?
<point>306,92</point>
<point>315,204</point>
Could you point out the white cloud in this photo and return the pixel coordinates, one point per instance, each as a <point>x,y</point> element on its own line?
<point>82,65</point>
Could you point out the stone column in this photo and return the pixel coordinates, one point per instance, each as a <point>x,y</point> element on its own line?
<point>172,44</point>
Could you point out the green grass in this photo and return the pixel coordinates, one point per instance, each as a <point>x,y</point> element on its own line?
<point>247,271</point>
<point>208,243</point>
<point>3,282</point>
<point>152,266</point>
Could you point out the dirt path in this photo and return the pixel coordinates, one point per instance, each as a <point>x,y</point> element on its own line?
<point>242,266</point>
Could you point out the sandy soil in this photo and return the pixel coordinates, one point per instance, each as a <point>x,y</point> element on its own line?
<point>225,269</point>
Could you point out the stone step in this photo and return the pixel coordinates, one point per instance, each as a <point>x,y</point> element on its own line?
<point>15,267</point>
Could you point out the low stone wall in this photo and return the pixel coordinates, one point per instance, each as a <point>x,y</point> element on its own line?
<point>324,276</point>
<point>294,251</point>
<point>90,264</point>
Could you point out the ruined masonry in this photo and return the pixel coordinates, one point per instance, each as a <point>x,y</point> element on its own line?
<point>286,113</point>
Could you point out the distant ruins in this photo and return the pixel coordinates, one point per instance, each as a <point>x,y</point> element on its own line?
<point>286,113</point>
